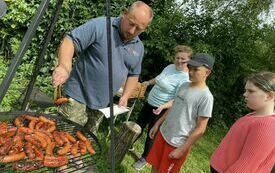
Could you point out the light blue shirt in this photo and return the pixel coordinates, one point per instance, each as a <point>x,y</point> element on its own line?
<point>89,82</point>
<point>167,84</point>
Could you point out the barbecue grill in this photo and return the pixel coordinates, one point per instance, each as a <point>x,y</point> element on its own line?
<point>83,163</point>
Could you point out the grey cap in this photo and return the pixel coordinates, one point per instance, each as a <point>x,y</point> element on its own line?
<point>3,8</point>
<point>202,59</point>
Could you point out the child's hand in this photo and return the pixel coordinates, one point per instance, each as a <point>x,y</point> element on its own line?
<point>158,110</point>
<point>176,153</point>
<point>153,131</point>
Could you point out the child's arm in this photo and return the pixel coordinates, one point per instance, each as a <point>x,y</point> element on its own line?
<point>155,128</point>
<point>149,82</point>
<point>166,105</point>
<point>195,135</point>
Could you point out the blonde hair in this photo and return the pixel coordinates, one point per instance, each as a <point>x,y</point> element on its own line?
<point>185,49</point>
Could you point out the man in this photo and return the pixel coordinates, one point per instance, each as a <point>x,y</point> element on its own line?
<point>88,81</point>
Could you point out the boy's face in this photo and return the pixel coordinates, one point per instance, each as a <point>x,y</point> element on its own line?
<point>198,74</point>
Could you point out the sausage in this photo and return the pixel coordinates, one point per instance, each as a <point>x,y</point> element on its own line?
<point>3,128</point>
<point>44,136</point>
<point>70,137</point>
<point>30,117</point>
<point>25,130</point>
<point>13,157</point>
<point>51,128</point>
<point>53,161</point>
<point>11,132</point>
<point>32,140</point>
<point>90,147</point>
<point>63,137</point>
<point>38,153</point>
<point>29,151</point>
<point>83,147</point>
<point>80,136</point>
<point>74,149</point>
<point>4,149</point>
<point>65,149</point>
<point>60,101</point>
<point>38,125</point>
<point>57,138</point>
<point>17,145</point>
<point>29,165</point>
<point>32,124</point>
<point>41,140</point>
<point>18,122</point>
<point>46,120</point>
<point>49,149</point>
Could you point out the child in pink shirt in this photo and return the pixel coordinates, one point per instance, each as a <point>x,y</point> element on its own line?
<point>249,146</point>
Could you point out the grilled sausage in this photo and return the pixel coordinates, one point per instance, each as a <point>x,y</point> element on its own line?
<point>53,162</point>
<point>13,157</point>
<point>65,149</point>
<point>30,117</point>
<point>70,137</point>
<point>49,149</point>
<point>83,147</point>
<point>74,149</point>
<point>90,147</point>
<point>38,125</point>
<point>41,140</point>
<point>25,130</point>
<point>38,153</point>
<point>81,136</point>
<point>57,138</point>
<point>4,149</point>
<point>29,165</point>
<point>60,101</point>
<point>29,151</point>
<point>32,124</point>
<point>44,136</point>
<point>18,122</point>
<point>32,140</point>
<point>46,120</point>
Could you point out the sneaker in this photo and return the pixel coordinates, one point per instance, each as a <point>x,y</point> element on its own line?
<point>139,165</point>
<point>131,149</point>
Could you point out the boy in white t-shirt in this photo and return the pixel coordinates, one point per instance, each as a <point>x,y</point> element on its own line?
<point>182,125</point>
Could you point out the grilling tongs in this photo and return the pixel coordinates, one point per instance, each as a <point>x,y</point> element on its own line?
<point>58,98</point>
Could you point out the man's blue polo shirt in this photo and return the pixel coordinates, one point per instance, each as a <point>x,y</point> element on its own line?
<point>89,82</point>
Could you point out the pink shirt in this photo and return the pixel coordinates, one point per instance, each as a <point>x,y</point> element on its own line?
<point>248,147</point>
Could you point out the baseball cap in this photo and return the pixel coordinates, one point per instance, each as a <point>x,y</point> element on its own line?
<point>202,59</point>
<point>3,8</point>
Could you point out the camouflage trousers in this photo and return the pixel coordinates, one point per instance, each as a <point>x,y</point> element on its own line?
<point>81,114</point>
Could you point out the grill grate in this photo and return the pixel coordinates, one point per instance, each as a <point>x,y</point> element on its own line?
<point>81,163</point>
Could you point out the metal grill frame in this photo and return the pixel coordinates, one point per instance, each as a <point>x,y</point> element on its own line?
<point>63,125</point>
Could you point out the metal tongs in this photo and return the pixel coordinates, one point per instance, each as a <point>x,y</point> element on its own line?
<point>58,98</point>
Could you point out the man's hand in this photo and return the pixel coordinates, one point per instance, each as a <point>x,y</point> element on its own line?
<point>60,75</point>
<point>123,101</point>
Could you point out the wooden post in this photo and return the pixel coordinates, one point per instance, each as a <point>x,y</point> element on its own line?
<point>128,133</point>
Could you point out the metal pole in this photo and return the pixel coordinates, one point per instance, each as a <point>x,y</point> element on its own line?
<point>110,65</point>
<point>23,48</point>
<point>40,60</point>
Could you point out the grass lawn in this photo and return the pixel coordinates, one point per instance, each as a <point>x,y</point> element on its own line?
<point>197,161</point>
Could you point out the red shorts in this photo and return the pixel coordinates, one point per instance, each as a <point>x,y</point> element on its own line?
<point>158,156</point>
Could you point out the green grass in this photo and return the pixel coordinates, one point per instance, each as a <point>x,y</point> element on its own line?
<point>197,161</point>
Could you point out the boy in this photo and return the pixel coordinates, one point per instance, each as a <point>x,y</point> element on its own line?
<point>186,121</point>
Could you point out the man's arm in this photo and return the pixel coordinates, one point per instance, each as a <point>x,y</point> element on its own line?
<point>65,56</point>
<point>195,135</point>
<point>156,126</point>
<point>130,86</point>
